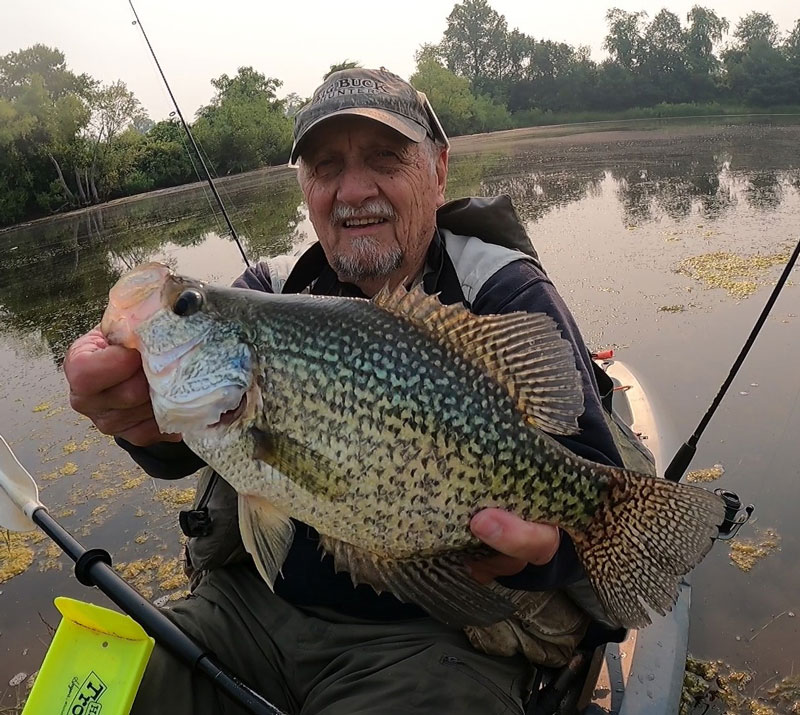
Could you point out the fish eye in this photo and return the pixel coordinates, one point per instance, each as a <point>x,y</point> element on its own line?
<point>188,303</point>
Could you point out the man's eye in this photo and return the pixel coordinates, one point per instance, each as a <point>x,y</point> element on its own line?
<point>325,166</point>
<point>387,154</point>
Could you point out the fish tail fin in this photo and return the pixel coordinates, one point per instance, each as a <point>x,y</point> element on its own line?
<point>645,536</point>
<point>267,535</point>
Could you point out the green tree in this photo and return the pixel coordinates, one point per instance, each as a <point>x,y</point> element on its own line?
<point>757,71</point>
<point>624,38</point>
<point>706,29</point>
<point>448,94</point>
<point>458,109</point>
<point>50,102</point>
<point>474,44</point>
<point>17,70</point>
<point>344,65</point>
<point>756,27</point>
<point>662,61</point>
<point>114,109</point>
<point>293,103</point>
<point>245,125</point>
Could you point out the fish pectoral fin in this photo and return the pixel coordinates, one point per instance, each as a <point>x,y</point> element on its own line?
<point>524,352</point>
<point>300,465</point>
<point>440,584</point>
<point>267,535</point>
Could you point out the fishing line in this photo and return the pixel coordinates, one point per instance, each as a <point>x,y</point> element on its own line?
<point>191,138</point>
<point>687,450</point>
<point>200,178</point>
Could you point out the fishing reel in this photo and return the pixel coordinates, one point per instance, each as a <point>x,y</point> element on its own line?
<point>735,516</point>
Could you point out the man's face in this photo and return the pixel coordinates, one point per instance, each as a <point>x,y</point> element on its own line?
<point>372,197</point>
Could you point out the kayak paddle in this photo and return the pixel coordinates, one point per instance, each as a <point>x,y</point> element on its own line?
<point>21,510</point>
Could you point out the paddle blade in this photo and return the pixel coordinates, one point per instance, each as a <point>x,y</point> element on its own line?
<point>19,495</point>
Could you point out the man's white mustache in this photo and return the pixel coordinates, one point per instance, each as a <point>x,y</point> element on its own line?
<point>370,209</point>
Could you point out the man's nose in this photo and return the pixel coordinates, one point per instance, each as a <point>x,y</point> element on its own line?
<point>356,186</point>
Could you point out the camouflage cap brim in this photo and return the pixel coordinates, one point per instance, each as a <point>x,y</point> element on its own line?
<point>405,126</point>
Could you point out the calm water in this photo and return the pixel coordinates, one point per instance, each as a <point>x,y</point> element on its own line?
<point>614,210</point>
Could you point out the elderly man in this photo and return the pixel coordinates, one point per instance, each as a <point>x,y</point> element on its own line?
<point>372,163</point>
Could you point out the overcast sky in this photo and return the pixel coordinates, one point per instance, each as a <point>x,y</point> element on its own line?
<point>294,40</point>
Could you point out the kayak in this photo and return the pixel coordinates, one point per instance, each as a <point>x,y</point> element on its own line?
<point>644,672</point>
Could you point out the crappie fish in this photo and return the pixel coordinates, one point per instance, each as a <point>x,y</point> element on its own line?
<point>387,424</point>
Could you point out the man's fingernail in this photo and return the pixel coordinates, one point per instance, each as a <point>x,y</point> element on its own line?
<point>486,527</point>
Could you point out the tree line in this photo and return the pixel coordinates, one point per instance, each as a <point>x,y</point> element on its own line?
<point>68,141</point>
<point>483,76</point>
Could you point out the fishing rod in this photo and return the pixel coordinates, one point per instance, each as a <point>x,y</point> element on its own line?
<point>21,510</point>
<point>680,462</point>
<point>188,131</point>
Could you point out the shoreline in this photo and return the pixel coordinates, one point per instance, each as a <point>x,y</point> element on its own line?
<point>461,142</point>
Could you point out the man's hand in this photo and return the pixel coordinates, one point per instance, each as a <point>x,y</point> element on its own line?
<point>107,385</point>
<point>519,542</point>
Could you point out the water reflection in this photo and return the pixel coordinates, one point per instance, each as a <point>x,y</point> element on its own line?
<point>55,275</point>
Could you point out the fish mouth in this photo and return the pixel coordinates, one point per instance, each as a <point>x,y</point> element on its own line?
<point>133,299</point>
<point>228,417</point>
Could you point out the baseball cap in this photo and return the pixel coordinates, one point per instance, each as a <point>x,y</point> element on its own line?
<point>375,94</point>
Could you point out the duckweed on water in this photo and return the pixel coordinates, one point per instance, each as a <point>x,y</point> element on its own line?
<point>134,482</point>
<point>68,469</point>
<point>746,552</point>
<point>73,446</point>
<point>787,693</point>
<point>50,558</point>
<point>173,497</point>
<point>706,475</point>
<point>707,683</point>
<point>16,555</point>
<point>154,572</point>
<point>739,275</point>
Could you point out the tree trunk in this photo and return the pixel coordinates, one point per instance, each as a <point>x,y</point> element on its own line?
<point>95,195</point>
<point>61,180</point>
<point>82,193</point>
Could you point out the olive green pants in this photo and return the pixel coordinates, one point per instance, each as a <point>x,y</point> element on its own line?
<point>318,662</point>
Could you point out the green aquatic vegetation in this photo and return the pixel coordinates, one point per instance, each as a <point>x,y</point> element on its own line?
<point>173,497</point>
<point>739,275</point>
<point>68,469</point>
<point>745,553</point>
<point>715,686</point>
<point>787,693</point>
<point>16,554</point>
<point>73,446</point>
<point>154,572</point>
<point>705,475</point>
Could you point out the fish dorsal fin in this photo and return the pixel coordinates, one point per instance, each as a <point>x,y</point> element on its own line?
<point>524,352</point>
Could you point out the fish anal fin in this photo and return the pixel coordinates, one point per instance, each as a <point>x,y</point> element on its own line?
<point>524,352</point>
<point>647,534</point>
<point>440,584</point>
<point>267,534</point>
